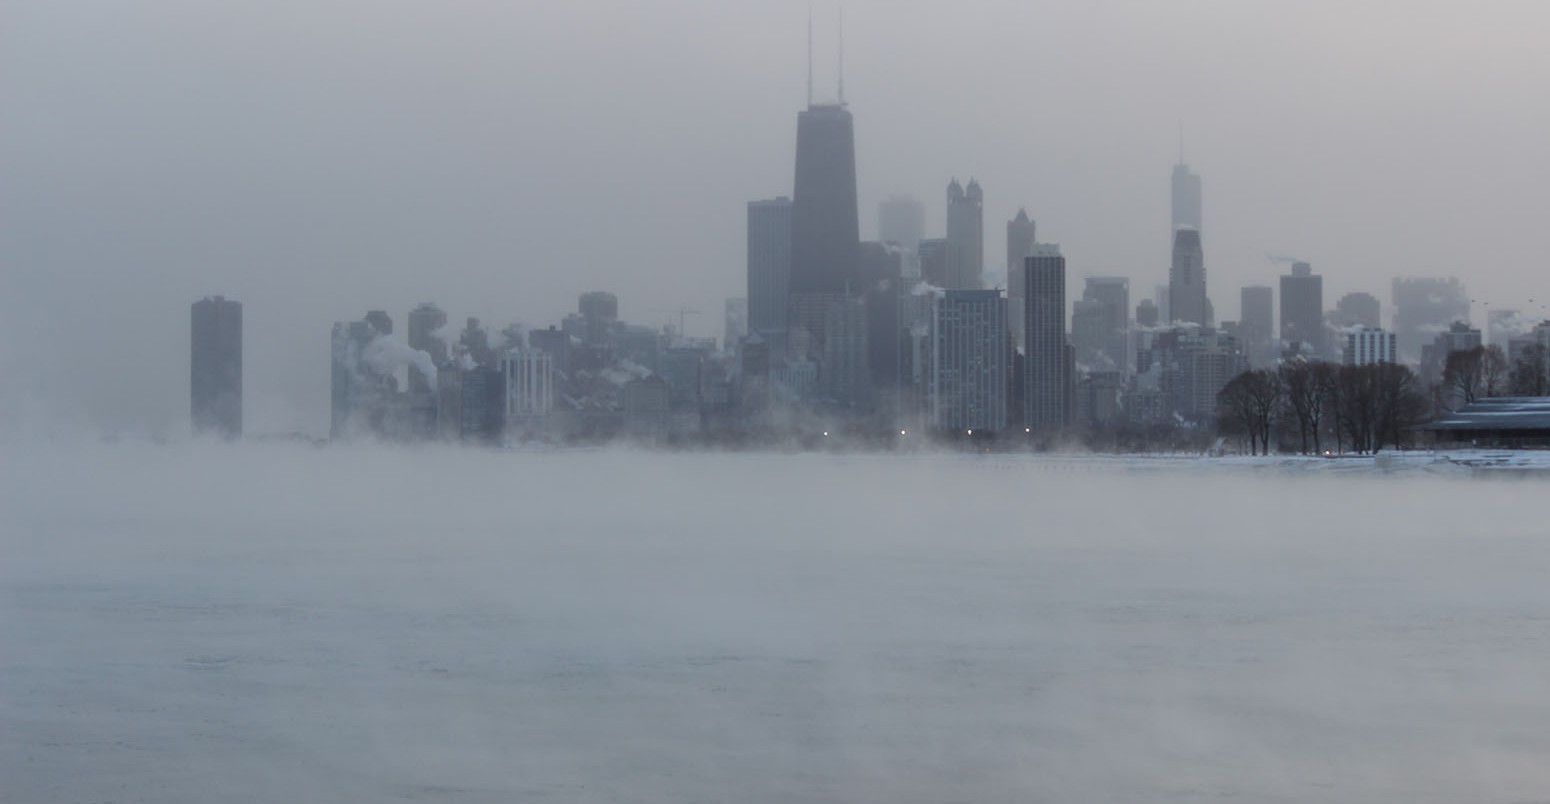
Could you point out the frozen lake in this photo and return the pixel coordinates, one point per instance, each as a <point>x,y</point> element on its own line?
<point>279,623</point>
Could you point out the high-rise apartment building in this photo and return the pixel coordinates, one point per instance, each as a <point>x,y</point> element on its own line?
<point>1047,360</point>
<point>1019,244</point>
<point>1187,280</point>
<point>968,388</point>
<point>769,267</point>
<point>1302,310</point>
<point>215,366</point>
<point>965,235</point>
<point>1367,346</point>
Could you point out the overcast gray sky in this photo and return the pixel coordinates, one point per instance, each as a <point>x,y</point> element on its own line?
<point>316,159</point>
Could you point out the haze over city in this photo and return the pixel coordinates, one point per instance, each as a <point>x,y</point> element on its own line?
<point>316,160</point>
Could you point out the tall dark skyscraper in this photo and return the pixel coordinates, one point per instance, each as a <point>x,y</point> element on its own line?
<point>1302,309</point>
<point>1186,198</point>
<point>1047,376</point>
<point>215,366</point>
<point>769,267</point>
<point>1019,244</point>
<point>965,235</point>
<point>825,233</point>
<point>1187,280</point>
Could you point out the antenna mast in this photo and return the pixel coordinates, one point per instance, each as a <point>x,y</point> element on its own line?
<point>842,55</point>
<point>809,55</point>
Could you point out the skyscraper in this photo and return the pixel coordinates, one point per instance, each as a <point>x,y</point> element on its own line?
<point>424,321</point>
<point>1424,306</point>
<point>1256,324</point>
<point>215,366</point>
<point>1112,295</point>
<point>1019,244</point>
<point>1358,310</point>
<point>965,235</point>
<point>769,267</point>
<point>825,235</point>
<point>1047,376</point>
<point>901,220</point>
<point>1302,309</point>
<point>1187,280</point>
<point>1186,198</point>
<point>969,374</point>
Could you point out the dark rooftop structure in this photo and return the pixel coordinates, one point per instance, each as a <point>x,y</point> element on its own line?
<point>1505,421</point>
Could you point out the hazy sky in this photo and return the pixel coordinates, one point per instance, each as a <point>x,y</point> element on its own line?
<point>317,159</point>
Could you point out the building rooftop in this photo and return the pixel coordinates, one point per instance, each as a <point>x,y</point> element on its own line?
<point>1497,413</point>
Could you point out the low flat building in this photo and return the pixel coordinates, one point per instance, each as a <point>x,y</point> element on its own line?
<point>1513,422</point>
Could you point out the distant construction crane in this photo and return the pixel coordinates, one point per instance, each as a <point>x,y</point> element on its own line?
<point>682,313</point>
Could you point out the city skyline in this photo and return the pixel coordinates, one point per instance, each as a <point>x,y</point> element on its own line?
<point>463,201</point>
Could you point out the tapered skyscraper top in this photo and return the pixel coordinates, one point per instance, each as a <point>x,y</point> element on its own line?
<point>1186,198</point>
<point>825,232</point>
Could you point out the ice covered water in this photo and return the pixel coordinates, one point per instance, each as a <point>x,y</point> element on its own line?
<point>275,623</point>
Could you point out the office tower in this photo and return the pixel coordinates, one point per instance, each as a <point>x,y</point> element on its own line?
<point>882,266</point>
<point>425,321</point>
<point>968,388</point>
<point>1424,307</point>
<point>1161,297</point>
<point>599,312</point>
<point>1256,325</point>
<point>1302,310</point>
<point>901,220</point>
<point>933,261</point>
<point>842,369</point>
<point>769,266</point>
<point>215,366</point>
<point>1087,334</point>
<point>1112,295</point>
<point>1367,346</point>
<point>1146,313</point>
<point>1047,370</point>
<point>1357,310</point>
<point>363,390</point>
<point>965,235</point>
<point>1186,198</point>
<point>1187,280</point>
<point>825,235</point>
<point>1019,244</point>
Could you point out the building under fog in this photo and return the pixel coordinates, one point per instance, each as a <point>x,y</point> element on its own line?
<point>769,267</point>
<point>969,371</point>
<point>1020,240</point>
<point>1256,326</point>
<point>1424,307</point>
<point>1187,280</point>
<point>215,366</point>
<point>1047,358</point>
<point>965,235</point>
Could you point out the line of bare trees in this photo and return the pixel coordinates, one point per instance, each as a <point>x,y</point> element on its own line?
<point>1313,405</point>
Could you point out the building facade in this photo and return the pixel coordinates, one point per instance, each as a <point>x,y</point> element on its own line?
<point>969,361</point>
<point>1187,280</point>
<point>769,266</point>
<point>965,236</point>
<point>1302,310</point>
<point>215,366</point>
<point>1368,346</point>
<point>1047,358</point>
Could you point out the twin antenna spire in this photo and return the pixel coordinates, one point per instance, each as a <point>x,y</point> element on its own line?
<point>810,56</point>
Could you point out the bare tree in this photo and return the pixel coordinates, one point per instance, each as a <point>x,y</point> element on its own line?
<point>1529,376</point>
<point>1309,392</point>
<point>1462,378</point>
<point>1249,401</point>
<point>1399,404</point>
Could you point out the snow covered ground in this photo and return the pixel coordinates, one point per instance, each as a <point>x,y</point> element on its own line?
<point>258,623</point>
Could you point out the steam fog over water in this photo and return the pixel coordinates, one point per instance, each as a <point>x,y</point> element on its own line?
<point>275,623</point>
